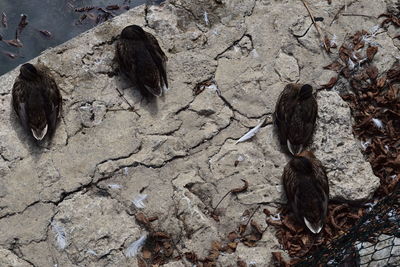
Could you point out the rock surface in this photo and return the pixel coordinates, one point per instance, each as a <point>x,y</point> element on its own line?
<point>180,149</point>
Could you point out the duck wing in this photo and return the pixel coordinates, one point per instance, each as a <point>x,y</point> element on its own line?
<point>158,56</point>
<point>51,94</point>
<point>19,99</point>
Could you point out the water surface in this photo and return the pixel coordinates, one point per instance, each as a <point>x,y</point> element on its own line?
<point>55,16</point>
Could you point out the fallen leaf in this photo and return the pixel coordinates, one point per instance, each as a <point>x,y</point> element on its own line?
<point>331,83</point>
<point>335,66</point>
<point>371,51</point>
<point>241,189</point>
<point>141,218</point>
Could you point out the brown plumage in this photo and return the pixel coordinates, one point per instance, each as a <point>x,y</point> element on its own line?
<point>295,116</point>
<point>307,190</point>
<point>140,58</point>
<point>37,100</point>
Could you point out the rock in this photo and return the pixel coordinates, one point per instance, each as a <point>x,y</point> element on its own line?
<point>9,259</point>
<point>350,176</point>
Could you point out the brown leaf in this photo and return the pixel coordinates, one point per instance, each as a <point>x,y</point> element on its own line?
<point>327,44</point>
<point>267,212</point>
<point>153,218</point>
<point>241,263</point>
<point>146,254</point>
<point>331,83</point>
<point>372,72</point>
<point>242,229</point>
<point>232,245</point>
<point>371,51</point>
<point>335,66</point>
<point>233,236</point>
<point>241,189</point>
<point>256,227</point>
<point>381,82</point>
<point>160,235</point>
<point>141,218</point>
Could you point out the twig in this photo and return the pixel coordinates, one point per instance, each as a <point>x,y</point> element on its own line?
<point>316,26</point>
<point>251,216</point>
<point>337,15</point>
<point>358,15</point>
<point>129,104</point>
<point>221,200</point>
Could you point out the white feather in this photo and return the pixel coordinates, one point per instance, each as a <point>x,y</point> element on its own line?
<point>351,64</point>
<point>126,171</point>
<point>138,201</point>
<point>115,186</point>
<point>206,17</point>
<point>254,53</point>
<point>60,234</point>
<point>240,158</point>
<point>365,144</point>
<point>214,87</point>
<point>333,40</point>
<point>91,252</point>
<point>250,133</point>
<point>135,247</point>
<point>378,123</point>
<point>276,217</point>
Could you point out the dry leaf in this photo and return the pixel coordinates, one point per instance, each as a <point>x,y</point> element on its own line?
<point>331,83</point>
<point>335,66</point>
<point>241,189</point>
<point>371,51</point>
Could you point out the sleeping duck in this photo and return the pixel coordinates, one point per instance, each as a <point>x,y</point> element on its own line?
<point>37,100</point>
<point>295,115</point>
<point>140,58</point>
<point>307,190</point>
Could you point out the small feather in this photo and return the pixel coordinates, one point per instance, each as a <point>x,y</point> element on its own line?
<point>115,186</point>
<point>214,87</point>
<point>138,201</point>
<point>254,53</point>
<point>351,64</point>
<point>365,144</point>
<point>250,133</point>
<point>276,217</point>
<point>91,252</point>
<point>135,247</point>
<point>206,17</point>
<point>333,41</point>
<point>60,234</point>
<point>378,123</point>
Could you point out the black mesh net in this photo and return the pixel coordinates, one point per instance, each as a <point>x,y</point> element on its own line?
<point>373,241</point>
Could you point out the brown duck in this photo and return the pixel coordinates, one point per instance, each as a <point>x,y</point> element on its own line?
<point>307,190</point>
<point>295,115</point>
<point>37,100</point>
<point>140,58</point>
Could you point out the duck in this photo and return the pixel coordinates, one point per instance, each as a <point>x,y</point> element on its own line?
<point>295,116</point>
<point>307,190</point>
<point>37,100</point>
<point>142,60</point>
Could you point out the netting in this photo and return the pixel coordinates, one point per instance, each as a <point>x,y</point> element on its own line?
<point>373,241</point>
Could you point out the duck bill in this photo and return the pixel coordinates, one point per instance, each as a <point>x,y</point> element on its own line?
<point>39,135</point>
<point>314,228</point>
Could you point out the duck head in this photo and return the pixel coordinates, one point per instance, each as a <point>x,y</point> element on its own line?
<point>133,32</point>
<point>37,117</point>
<point>28,72</point>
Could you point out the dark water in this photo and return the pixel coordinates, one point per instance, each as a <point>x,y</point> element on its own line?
<point>55,16</point>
